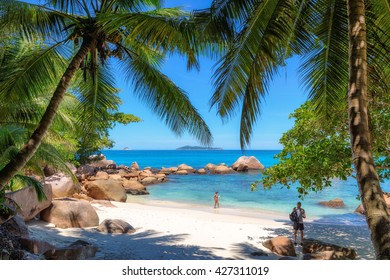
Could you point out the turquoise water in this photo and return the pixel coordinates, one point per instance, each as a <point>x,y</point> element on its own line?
<point>234,189</point>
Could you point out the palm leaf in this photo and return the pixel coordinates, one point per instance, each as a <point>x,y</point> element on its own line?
<point>165,98</point>
<point>30,20</point>
<point>244,73</point>
<point>237,10</point>
<point>324,71</point>
<point>378,42</point>
<point>166,29</point>
<point>21,181</point>
<point>97,96</point>
<point>30,70</point>
<point>128,6</point>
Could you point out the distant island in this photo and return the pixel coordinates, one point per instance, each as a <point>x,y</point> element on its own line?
<point>126,148</point>
<point>197,148</point>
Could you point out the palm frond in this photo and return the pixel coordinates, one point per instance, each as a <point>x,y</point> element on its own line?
<point>166,99</point>
<point>29,20</point>
<point>97,96</point>
<point>237,10</point>
<point>129,6</point>
<point>48,155</point>
<point>244,73</point>
<point>12,137</point>
<point>324,71</point>
<point>378,42</point>
<point>20,181</point>
<point>70,7</point>
<point>213,32</point>
<point>30,70</point>
<point>166,29</point>
<point>28,113</point>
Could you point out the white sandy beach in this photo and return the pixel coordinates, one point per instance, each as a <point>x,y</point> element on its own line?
<point>167,231</point>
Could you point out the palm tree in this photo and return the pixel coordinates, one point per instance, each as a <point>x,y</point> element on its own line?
<point>19,117</point>
<point>344,48</point>
<point>136,34</point>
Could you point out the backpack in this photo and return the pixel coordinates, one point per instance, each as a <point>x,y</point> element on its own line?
<point>294,216</point>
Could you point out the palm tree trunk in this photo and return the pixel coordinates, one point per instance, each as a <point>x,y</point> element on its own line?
<point>28,150</point>
<point>377,213</point>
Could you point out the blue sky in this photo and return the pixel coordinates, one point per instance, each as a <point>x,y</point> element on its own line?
<point>284,97</point>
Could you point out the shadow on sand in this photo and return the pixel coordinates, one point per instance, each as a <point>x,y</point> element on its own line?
<point>354,235</point>
<point>150,244</point>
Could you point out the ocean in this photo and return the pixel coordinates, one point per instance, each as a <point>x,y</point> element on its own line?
<point>234,189</point>
<point>338,226</point>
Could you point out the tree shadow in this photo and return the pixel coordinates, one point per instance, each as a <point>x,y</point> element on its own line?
<point>247,251</point>
<point>148,245</point>
<point>354,235</point>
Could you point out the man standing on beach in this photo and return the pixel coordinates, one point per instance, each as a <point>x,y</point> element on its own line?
<point>298,224</point>
<point>216,200</point>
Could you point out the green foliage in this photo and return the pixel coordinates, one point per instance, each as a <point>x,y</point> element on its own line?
<point>267,32</point>
<point>96,140</point>
<point>317,150</point>
<point>137,33</point>
<point>21,105</point>
<point>123,118</point>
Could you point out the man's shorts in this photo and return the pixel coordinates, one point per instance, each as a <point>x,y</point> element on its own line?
<point>298,226</point>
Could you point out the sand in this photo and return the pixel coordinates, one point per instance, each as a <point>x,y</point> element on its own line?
<point>177,231</point>
<point>167,230</point>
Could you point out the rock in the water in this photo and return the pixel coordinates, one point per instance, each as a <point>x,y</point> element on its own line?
<point>334,203</point>
<point>210,166</point>
<point>134,187</point>
<point>169,170</point>
<point>149,181</point>
<point>70,213</point>
<point>79,250</point>
<point>115,226</point>
<point>106,189</point>
<point>27,200</point>
<point>135,166</point>
<point>131,175</point>
<point>202,171</point>
<point>181,172</point>
<point>145,173</point>
<point>185,167</point>
<point>245,163</point>
<point>311,246</point>
<point>360,210</point>
<point>62,185</point>
<point>160,176</point>
<point>221,169</point>
<point>280,245</point>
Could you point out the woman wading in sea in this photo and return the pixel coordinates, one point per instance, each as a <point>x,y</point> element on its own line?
<point>216,200</point>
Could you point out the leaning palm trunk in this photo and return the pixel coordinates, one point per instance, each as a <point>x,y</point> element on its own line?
<point>28,150</point>
<point>377,213</point>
